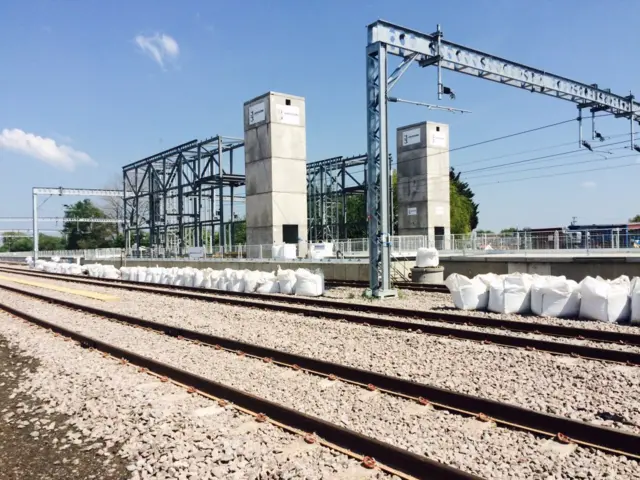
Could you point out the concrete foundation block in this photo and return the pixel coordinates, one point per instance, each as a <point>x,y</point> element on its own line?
<point>427,274</point>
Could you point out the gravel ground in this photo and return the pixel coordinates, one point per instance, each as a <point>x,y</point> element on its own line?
<point>32,432</point>
<point>157,430</point>
<point>441,302</point>
<point>573,341</point>
<point>461,442</point>
<point>580,389</point>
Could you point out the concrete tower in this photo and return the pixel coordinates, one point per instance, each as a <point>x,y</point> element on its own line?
<point>423,181</point>
<point>276,169</point>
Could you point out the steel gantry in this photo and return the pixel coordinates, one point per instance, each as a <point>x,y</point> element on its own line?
<point>414,47</point>
<point>179,195</point>
<point>61,191</point>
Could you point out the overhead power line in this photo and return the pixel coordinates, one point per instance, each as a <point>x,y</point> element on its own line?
<point>535,159</point>
<point>574,172</point>
<point>555,165</point>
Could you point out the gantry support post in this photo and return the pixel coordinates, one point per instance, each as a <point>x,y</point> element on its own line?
<point>378,172</point>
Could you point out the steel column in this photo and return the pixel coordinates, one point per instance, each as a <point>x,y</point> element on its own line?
<point>378,172</point>
<point>35,225</point>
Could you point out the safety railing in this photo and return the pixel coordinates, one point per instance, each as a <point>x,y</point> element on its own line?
<point>523,242</point>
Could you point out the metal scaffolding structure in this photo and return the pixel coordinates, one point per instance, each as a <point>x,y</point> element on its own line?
<point>183,196</point>
<point>75,192</point>
<point>330,184</point>
<point>414,47</point>
<point>334,186</point>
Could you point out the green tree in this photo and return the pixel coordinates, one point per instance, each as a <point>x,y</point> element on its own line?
<point>464,190</point>
<point>240,232</point>
<point>635,219</point>
<point>18,242</point>
<point>509,230</point>
<point>484,231</point>
<point>85,235</point>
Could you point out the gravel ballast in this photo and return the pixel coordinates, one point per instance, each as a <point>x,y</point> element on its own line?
<point>580,389</point>
<point>462,442</point>
<point>156,429</point>
<point>488,330</point>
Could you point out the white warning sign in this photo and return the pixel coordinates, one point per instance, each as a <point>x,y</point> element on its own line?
<point>412,211</point>
<point>256,113</point>
<point>438,140</point>
<point>411,137</point>
<point>289,114</point>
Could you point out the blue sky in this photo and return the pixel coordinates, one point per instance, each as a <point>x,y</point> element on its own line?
<point>72,72</point>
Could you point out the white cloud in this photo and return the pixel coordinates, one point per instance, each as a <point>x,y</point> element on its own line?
<point>160,47</point>
<point>588,184</point>
<point>45,149</point>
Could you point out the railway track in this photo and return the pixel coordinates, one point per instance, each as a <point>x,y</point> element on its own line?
<point>420,287</point>
<point>387,317</point>
<point>393,459</point>
<point>371,452</point>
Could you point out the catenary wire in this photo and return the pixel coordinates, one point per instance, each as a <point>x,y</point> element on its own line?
<point>555,165</point>
<point>574,172</point>
<point>534,159</point>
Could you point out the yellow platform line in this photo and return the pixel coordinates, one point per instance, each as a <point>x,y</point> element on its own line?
<point>83,293</point>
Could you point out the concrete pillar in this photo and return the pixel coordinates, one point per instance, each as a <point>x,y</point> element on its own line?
<point>276,169</point>
<point>423,182</point>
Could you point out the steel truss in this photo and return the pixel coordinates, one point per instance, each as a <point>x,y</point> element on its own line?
<point>179,195</point>
<point>61,191</point>
<point>330,183</point>
<point>411,46</point>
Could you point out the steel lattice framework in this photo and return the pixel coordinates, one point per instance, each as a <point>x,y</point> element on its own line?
<point>178,196</point>
<point>423,49</point>
<point>330,183</point>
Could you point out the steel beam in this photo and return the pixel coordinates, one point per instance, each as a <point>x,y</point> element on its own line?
<point>61,219</point>
<point>405,42</point>
<point>79,192</point>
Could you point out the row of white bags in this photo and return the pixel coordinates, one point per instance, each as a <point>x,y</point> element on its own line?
<point>593,299</point>
<point>299,282</point>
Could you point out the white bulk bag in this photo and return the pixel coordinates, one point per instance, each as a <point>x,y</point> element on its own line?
<point>605,300</point>
<point>555,297</point>
<point>268,284</point>
<point>286,281</point>
<point>309,284</point>
<point>427,257</point>
<point>142,274</point>
<point>237,282</point>
<point>251,280</point>
<point>198,278</point>
<point>75,269</point>
<point>178,280</point>
<point>188,276</point>
<point>125,273</point>
<point>206,278</point>
<point>110,272</point>
<point>510,294</point>
<point>635,301</point>
<point>215,277</point>
<point>468,293</point>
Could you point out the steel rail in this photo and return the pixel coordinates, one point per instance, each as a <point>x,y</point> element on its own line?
<point>420,287</point>
<point>396,458</point>
<point>615,441</point>
<point>253,300</point>
<point>452,318</point>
